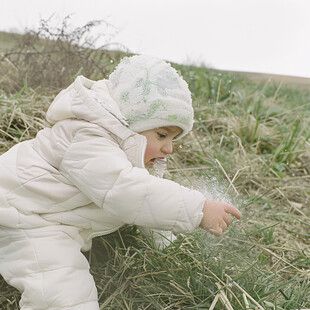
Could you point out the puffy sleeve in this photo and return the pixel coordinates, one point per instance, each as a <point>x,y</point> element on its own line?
<point>100,169</point>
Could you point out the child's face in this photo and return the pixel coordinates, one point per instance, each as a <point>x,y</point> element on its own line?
<point>159,143</point>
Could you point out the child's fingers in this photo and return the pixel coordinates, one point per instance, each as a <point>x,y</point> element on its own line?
<point>227,218</point>
<point>216,231</point>
<point>224,226</point>
<point>233,211</point>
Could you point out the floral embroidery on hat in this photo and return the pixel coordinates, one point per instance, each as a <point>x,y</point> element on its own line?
<point>150,93</point>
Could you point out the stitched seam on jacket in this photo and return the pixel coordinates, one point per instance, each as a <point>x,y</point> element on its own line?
<point>179,214</point>
<point>37,262</point>
<point>24,185</point>
<point>71,142</point>
<point>142,203</point>
<point>94,126</point>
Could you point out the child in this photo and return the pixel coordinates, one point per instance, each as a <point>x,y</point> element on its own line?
<point>86,176</point>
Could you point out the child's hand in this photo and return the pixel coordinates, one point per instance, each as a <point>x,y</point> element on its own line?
<point>217,216</point>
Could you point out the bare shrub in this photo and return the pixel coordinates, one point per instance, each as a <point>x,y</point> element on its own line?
<point>52,57</point>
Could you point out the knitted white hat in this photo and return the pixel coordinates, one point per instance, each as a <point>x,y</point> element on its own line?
<point>151,94</point>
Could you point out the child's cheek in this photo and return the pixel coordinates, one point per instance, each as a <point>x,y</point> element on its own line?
<point>150,153</point>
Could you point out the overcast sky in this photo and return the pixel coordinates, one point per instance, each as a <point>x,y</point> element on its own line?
<point>268,36</point>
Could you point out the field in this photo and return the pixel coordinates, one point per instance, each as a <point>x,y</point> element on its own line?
<point>250,146</point>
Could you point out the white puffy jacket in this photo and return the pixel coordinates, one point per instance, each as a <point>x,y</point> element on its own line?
<point>87,171</point>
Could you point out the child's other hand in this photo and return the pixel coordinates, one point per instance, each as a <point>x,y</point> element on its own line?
<point>217,216</point>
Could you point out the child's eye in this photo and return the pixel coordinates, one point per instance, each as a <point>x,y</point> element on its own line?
<point>161,135</point>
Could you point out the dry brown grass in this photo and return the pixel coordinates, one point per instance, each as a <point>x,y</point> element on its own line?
<point>22,116</point>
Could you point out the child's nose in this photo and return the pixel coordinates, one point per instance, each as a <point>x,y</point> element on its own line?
<point>168,148</point>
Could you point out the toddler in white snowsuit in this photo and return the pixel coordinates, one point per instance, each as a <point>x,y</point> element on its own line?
<point>86,176</point>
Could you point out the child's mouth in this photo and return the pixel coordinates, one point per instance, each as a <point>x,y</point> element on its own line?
<point>152,161</point>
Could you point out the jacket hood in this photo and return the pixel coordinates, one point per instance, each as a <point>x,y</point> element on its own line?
<point>91,101</point>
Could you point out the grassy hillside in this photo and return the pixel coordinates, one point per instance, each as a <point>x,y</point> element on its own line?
<point>8,40</point>
<point>250,146</point>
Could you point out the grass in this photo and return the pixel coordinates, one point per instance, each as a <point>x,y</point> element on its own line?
<point>249,146</point>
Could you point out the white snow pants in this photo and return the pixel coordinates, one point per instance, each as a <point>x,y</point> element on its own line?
<point>48,268</point>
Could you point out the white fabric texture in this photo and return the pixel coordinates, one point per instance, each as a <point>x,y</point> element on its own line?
<point>80,178</point>
<point>48,267</point>
<point>150,94</point>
